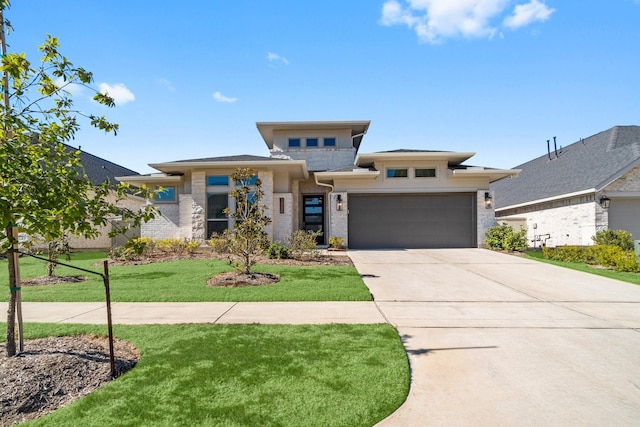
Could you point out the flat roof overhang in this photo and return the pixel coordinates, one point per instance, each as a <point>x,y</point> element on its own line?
<point>493,174</point>
<point>297,168</point>
<point>328,177</point>
<point>357,127</point>
<point>453,158</point>
<point>156,179</point>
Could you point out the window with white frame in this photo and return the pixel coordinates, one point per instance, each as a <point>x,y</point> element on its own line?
<point>425,172</point>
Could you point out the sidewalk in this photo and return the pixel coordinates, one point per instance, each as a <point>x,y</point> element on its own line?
<point>128,313</point>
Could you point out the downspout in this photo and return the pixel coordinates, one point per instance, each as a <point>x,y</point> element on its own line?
<point>315,178</point>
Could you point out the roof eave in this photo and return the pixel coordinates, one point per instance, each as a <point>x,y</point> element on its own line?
<point>452,157</point>
<point>493,174</point>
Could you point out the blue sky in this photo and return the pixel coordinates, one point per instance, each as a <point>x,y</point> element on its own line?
<point>495,77</point>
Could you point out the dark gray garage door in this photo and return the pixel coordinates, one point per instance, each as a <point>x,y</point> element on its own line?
<point>624,214</point>
<point>412,220</point>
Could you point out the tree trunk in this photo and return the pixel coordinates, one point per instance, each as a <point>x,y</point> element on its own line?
<point>11,312</point>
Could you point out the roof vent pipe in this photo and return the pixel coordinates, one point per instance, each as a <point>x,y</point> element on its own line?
<point>555,147</point>
<point>548,150</point>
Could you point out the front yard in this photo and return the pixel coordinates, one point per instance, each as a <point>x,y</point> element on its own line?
<point>245,375</point>
<point>185,281</point>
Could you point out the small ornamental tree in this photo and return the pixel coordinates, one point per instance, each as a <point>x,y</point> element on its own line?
<point>43,188</point>
<point>248,239</point>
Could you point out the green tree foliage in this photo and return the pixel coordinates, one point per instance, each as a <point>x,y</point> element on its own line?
<point>43,188</point>
<point>248,239</point>
<point>619,238</point>
<point>505,238</point>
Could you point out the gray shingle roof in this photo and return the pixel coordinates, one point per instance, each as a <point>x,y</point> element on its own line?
<point>591,163</point>
<point>99,170</point>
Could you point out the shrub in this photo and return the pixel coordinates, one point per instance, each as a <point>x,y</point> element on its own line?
<point>504,237</point>
<point>137,244</point>
<point>173,244</point>
<point>302,242</point>
<point>122,253</point>
<point>619,238</point>
<point>190,246</point>
<point>221,242</point>
<point>565,253</point>
<point>277,251</point>
<point>336,242</point>
<point>605,255</point>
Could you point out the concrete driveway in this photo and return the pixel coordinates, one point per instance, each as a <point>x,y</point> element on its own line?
<point>498,340</point>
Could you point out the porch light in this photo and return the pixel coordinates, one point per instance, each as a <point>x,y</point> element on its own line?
<point>339,202</point>
<point>605,202</point>
<point>487,200</point>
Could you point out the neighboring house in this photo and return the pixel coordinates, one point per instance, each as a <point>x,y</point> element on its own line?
<point>98,171</point>
<point>315,179</point>
<point>567,195</point>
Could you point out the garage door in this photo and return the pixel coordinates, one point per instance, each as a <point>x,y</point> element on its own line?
<point>412,220</point>
<point>624,214</point>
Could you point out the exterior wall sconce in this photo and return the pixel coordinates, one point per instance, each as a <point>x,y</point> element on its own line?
<point>339,202</point>
<point>605,202</point>
<point>487,200</point>
<point>281,205</point>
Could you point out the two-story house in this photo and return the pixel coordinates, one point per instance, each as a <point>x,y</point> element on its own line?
<point>314,179</point>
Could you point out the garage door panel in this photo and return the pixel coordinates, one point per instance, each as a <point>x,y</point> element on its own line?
<point>624,214</point>
<point>412,221</point>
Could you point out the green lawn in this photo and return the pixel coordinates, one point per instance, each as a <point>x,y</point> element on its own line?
<point>185,280</point>
<point>245,375</point>
<point>580,266</point>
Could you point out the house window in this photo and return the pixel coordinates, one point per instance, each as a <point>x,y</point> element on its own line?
<point>329,142</point>
<point>218,180</point>
<point>217,220</point>
<point>312,142</point>
<point>168,194</point>
<point>425,173</point>
<point>294,142</point>
<point>397,173</point>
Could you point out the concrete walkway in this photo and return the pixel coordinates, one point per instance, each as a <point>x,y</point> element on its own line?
<point>497,340</point>
<point>141,313</point>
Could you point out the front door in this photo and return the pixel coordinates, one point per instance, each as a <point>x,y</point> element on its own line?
<point>313,215</point>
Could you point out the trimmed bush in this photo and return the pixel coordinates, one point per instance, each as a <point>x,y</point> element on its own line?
<point>277,251</point>
<point>504,237</point>
<point>619,238</point>
<point>611,256</point>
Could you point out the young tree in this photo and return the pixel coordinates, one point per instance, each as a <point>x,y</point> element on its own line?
<point>248,238</point>
<point>43,189</point>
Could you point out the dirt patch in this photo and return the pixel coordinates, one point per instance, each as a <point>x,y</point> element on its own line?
<point>53,280</point>
<point>235,279</point>
<point>54,371</point>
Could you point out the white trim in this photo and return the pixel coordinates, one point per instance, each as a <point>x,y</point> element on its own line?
<point>549,199</point>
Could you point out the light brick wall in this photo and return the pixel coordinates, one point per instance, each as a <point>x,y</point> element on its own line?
<point>165,225</point>
<point>282,222</point>
<point>266,180</point>
<point>566,222</point>
<point>338,220</point>
<point>485,218</point>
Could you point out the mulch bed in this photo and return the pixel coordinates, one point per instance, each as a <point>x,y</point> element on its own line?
<point>54,371</point>
<point>53,280</point>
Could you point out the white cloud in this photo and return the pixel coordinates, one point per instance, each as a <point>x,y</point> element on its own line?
<point>73,88</point>
<point>167,84</point>
<point>436,20</point>
<point>225,99</point>
<point>525,14</point>
<point>274,57</point>
<point>119,92</point>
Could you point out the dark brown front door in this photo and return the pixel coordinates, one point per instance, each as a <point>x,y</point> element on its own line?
<point>313,215</point>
